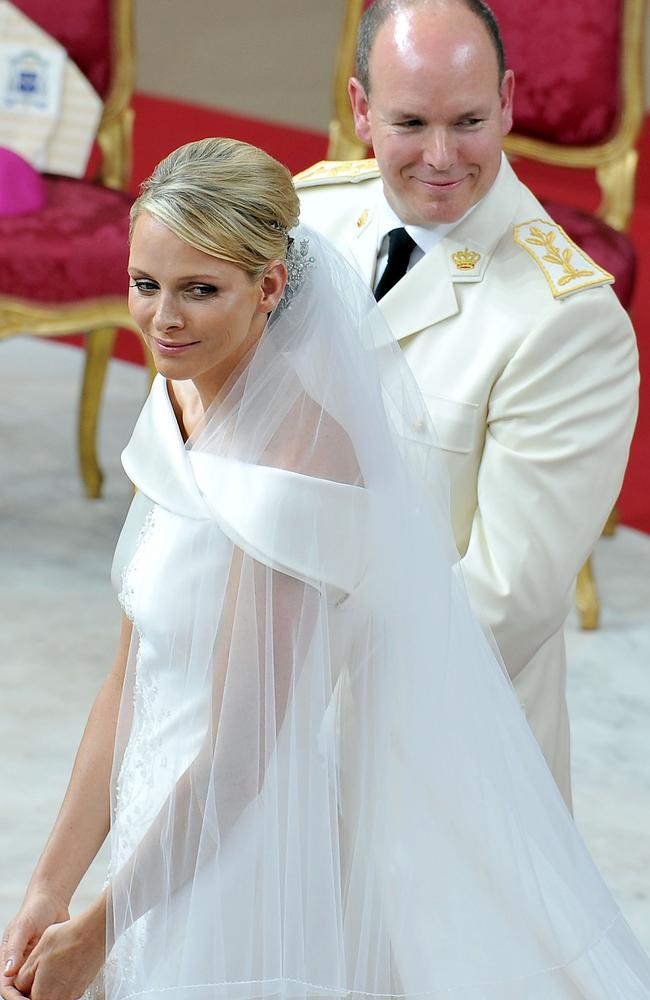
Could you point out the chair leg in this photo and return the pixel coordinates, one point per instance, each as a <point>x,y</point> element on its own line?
<point>587,597</point>
<point>99,347</point>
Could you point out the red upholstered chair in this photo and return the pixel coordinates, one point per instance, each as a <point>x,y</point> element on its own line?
<point>63,268</point>
<point>579,102</point>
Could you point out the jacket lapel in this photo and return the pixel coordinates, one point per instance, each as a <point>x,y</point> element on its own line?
<point>423,297</point>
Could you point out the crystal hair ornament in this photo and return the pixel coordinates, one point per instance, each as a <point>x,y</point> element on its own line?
<point>299,261</point>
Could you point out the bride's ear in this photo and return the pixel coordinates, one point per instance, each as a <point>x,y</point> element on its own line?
<point>272,285</point>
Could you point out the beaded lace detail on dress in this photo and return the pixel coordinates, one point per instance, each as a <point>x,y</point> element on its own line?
<point>136,761</point>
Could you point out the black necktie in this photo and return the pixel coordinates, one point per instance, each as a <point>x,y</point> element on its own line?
<point>400,246</point>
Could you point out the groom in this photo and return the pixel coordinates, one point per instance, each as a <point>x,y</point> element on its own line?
<point>524,356</point>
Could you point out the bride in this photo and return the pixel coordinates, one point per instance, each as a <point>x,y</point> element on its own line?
<point>317,779</point>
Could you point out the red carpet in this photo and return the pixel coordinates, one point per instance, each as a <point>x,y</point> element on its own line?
<point>162,125</point>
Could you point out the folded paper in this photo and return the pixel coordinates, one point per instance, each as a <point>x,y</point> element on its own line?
<point>49,112</point>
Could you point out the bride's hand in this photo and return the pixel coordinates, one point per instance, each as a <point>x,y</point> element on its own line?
<point>40,908</point>
<point>66,959</point>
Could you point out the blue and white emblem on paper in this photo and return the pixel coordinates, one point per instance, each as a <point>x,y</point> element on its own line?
<point>28,81</point>
<point>31,78</point>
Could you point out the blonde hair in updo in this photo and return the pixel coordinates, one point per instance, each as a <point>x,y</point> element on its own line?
<point>227,198</point>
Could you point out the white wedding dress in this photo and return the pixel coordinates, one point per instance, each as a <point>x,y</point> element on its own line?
<point>323,783</point>
<point>174,543</point>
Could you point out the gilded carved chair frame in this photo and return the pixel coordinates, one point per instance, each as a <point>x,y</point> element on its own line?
<point>100,318</point>
<point>614,162</point>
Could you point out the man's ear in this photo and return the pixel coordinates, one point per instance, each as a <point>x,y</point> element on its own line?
<point>272,285</point>
<point>360,109</point>
<point>507,95</point>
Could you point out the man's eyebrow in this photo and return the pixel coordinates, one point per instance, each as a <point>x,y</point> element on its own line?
<point>400,113</point>
<point>476,111</point>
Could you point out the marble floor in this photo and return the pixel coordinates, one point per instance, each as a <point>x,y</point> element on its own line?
<point>58,624</point>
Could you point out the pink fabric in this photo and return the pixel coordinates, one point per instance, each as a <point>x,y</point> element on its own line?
<point>609,248</point>
<point>566,58</point>
<point>21,187</point>
<point>76,248</point>
<point>83,29</point>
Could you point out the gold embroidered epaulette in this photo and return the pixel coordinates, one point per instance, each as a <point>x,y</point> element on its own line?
<point>336,172</point>
<point>565,266</point>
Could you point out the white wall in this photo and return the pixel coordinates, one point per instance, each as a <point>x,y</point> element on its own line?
<point>271,59</point>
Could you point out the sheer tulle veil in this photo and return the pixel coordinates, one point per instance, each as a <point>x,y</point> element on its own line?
<point>361,809</point>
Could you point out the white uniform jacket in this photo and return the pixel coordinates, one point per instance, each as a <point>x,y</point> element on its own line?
<point>528,365</point>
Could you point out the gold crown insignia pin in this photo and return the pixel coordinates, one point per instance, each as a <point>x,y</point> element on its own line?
<point>466,260</point>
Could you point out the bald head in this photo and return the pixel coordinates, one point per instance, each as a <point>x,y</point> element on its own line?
<point>436,111</point>
<point>382,10</point>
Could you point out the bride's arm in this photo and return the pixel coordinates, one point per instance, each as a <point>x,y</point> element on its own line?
<point>79,830</point>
